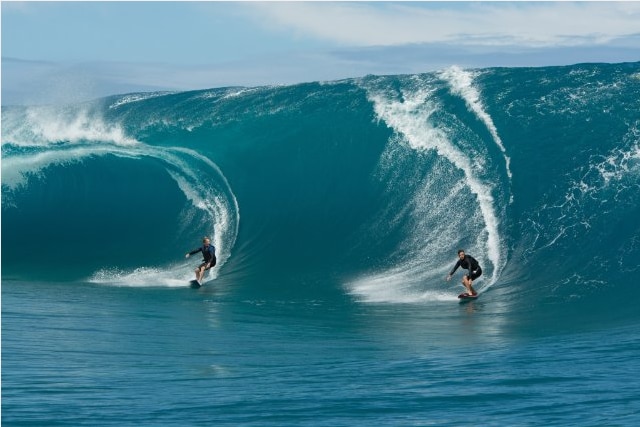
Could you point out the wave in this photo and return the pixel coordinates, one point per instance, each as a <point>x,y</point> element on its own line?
<point>365,186</point>
<point>44,144</point>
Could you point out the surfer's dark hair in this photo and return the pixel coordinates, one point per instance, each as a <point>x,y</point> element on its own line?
<point>460,250</point>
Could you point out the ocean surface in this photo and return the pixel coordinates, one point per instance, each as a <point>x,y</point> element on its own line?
<point>336,209</point>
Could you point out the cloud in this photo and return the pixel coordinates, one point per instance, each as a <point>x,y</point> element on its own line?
<point>33,82</point>
<point>352,39</point>
<point>383,24</point>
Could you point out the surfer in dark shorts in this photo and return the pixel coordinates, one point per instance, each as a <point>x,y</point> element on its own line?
<point>208,255</point>
<point>468,263</point>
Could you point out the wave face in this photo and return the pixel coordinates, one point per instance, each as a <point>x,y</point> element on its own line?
<point>364,186</point>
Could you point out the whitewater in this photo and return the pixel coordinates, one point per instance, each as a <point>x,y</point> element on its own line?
<point>336,209</point>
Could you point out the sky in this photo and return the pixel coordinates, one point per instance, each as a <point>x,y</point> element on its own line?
<point>55,52</point>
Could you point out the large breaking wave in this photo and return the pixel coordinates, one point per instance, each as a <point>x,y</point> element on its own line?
<point>365,186</point>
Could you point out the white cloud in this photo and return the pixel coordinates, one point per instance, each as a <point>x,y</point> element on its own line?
<point>351,39</point>
<point>384,24</point>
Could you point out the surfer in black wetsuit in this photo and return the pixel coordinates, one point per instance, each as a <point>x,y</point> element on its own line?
<point>468,263</point>
<point>209,255</point>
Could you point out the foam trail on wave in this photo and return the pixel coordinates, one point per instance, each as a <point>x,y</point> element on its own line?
<point>409,114</point>
<point>215,203</point>
<point>411,120</point>
<point>397,286</point>
<point>139,277</point>
<point>461,84</point>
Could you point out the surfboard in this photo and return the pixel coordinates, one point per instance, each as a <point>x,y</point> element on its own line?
<point>465,297</point>
<point>195,284</point>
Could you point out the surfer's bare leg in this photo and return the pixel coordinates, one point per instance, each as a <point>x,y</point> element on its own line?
<point>468,283</point>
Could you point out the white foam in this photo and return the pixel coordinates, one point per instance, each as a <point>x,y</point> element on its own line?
<point>140,277</point>
<point>44,126</point>
<point>411,118</point>
<point>235,93</point>
<point>611,170</point>
<point>433,210</point>
<point>619,164</point>
<point>137,97</point>
<point>461,83</point>
<point>395,287</point>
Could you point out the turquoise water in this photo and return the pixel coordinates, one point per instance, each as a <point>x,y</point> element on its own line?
<point>336,209</point>
<point>96,355</point>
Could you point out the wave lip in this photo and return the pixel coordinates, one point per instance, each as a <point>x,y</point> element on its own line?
<point>46,126</point>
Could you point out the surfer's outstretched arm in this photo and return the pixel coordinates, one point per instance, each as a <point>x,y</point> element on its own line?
<point>455,267</point>
<point>195,251</point>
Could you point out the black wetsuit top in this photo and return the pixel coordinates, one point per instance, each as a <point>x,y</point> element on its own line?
<point>208,253</point>
<point>468,263</point>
